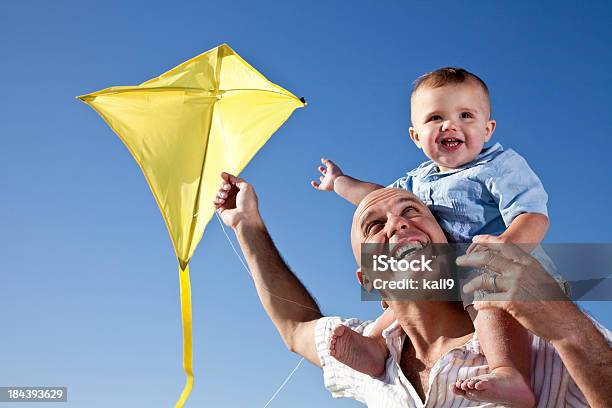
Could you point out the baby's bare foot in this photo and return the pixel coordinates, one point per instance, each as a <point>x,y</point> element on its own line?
<point>504,385</point>
<point>361,353</point>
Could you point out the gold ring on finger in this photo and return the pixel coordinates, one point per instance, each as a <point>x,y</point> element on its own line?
<point>492,284</point>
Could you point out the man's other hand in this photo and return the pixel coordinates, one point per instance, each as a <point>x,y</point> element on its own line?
<point>236,202</point>
<point>518,284</point>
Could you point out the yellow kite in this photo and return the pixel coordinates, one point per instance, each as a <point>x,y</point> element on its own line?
<point>209,114</point>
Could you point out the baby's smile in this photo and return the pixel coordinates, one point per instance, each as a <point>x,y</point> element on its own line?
<point>451,144</point>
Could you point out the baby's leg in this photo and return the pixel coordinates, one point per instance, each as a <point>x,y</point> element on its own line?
<point>505,343</point>
<point>366,354</point>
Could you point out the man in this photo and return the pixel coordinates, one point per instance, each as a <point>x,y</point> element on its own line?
<point>427,355</point>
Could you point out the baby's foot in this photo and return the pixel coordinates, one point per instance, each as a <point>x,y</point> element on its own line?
<point>361,353</point>
<point>504,385</point>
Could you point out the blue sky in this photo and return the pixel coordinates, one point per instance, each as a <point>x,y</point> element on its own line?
<point>90,289</point>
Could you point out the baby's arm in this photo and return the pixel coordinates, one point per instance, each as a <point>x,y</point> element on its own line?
<point>522,201</point>
<point>347,187</point>
<point>527,230</point>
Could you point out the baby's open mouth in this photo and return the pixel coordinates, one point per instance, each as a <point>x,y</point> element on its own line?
<point>451,143</point>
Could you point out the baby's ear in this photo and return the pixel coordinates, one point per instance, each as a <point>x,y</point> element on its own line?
<point>491,124</point>
<point>414,136</point>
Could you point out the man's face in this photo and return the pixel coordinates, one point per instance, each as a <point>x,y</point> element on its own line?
<point>451,123</point>
<point>393,216</point>
<point>398,218</point>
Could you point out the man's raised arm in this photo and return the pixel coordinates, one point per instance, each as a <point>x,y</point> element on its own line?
<point>291,308</point>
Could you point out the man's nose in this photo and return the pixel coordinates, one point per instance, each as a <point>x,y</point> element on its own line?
<point>395,224</point>
<point>448,125</point>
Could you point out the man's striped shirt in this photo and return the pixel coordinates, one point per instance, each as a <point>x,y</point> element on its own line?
<point>550,380</point>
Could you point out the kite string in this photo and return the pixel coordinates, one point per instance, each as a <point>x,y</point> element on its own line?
<point>251,275</point>
<point>246,268</point>
<point>284,382</point>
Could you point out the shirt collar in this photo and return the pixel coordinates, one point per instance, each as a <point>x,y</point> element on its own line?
<point>486,155</point>
<point>395,331</point>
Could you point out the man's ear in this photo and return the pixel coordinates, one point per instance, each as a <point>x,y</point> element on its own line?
<point>359,276</point>
<point>491,124</point>
<point>363,280</point>
<point>414,136</point>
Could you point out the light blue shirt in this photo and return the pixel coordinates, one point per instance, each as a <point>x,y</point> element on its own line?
<point>481,197</point>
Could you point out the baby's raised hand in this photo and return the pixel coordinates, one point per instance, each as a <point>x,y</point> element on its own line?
<point>330,172</point>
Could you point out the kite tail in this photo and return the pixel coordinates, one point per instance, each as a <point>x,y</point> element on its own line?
<point>186,318</point>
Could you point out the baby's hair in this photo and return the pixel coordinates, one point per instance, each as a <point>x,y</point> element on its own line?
<point>448,76</point>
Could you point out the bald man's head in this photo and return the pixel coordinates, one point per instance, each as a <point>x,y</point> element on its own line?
<point>391,215</point>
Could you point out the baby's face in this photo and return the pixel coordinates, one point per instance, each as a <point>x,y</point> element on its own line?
<point>451,123</point>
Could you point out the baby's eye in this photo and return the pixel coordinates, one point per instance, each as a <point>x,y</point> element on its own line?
<point>466,115</point>
<point>435,117</point>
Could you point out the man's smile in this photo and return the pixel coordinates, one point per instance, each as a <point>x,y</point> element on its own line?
<point>405,249</point>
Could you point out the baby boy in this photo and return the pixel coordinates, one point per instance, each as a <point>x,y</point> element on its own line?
<point>475,193</point>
